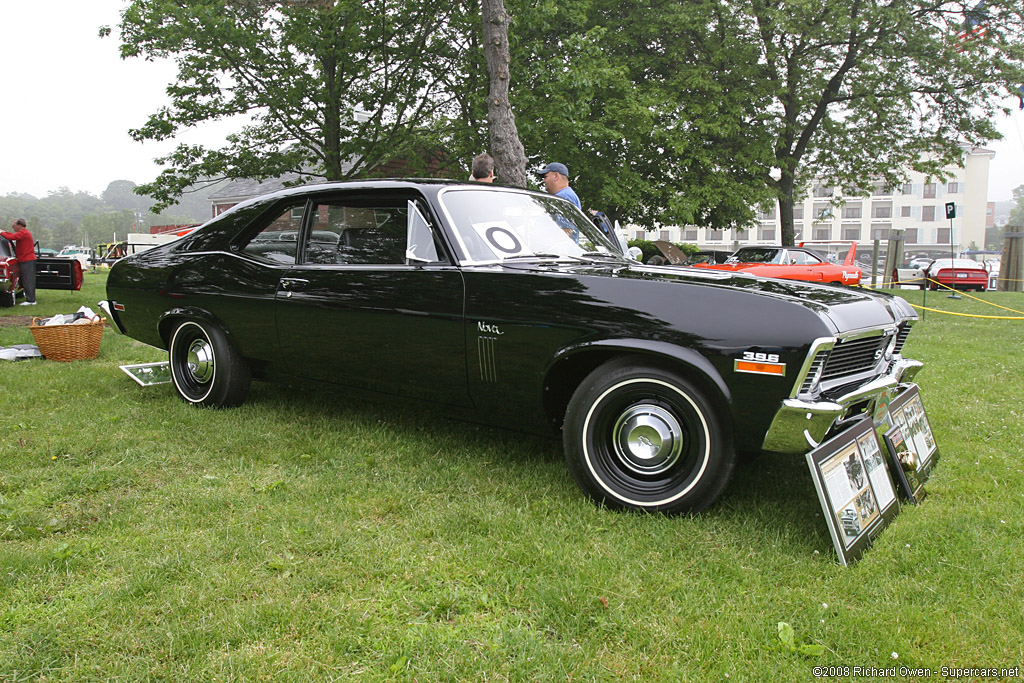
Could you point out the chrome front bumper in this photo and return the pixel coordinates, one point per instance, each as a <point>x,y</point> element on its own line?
<point>800,426</point>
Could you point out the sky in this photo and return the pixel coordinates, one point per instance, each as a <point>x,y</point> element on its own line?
<point>69,101</point>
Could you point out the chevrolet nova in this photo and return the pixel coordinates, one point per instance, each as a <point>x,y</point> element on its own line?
<point>508,307</point>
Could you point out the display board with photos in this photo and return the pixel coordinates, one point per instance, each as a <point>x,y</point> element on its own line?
<point>910,443</point>
<point>856,492</point>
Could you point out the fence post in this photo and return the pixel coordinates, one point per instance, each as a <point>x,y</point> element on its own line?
<point>1011,268</point>
<point>893,258</point>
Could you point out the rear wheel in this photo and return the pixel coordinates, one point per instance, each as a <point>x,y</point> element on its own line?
<point>641,437</point>
<point>205,368</point>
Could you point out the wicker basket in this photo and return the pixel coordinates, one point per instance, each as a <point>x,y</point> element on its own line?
<point>80,341</point>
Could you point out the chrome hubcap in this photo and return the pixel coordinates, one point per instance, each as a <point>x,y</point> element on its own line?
<point>648,439</point>
<point>200,360</point>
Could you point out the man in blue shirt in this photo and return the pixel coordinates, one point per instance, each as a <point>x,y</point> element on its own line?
<point>556,182</point>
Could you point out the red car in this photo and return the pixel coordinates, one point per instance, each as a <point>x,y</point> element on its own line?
<point>51,273</point>
<point>792,263</point>
<point>961,273</point>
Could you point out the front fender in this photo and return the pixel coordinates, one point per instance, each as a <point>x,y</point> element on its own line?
<point>571,364</point>
<point>665,351</point>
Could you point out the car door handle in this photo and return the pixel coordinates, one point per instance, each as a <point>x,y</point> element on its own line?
<point>293,283</point>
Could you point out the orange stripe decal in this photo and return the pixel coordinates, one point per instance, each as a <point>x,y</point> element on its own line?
<point>778,369</point>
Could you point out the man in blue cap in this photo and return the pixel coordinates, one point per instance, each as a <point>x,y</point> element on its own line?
<point>556,182</point>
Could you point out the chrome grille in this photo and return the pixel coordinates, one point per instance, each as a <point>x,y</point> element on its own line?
<point>901,338</point>
<point>812,372</point>
<point>854,356</point>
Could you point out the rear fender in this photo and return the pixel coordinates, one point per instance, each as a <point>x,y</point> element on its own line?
<point>170,319</point>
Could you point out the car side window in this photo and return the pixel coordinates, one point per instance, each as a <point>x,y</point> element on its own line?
<point>278,241</point>
<point>358,233</point>
<point>802,259</point>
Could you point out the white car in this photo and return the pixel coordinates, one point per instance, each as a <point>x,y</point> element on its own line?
<point>913,274</point>
<point>83,254</point>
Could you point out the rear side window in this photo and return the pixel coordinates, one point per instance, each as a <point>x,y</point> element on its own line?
<point>279,240</point>
<point>213,235</point>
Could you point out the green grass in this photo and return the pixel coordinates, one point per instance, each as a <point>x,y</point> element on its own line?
<point>310,537</point>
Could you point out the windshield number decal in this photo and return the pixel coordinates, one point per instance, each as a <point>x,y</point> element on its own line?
<point>501,237</point>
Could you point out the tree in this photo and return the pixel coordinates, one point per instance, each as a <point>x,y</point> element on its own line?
<point>329,89</point>
<point>108,226</point>
<point>644,104</point>
<point>859,91</point>
<point>1016,221</point>
<point>509,156</point>
<point>120,194</point>
<point>666,112</point>
<point>698,112</point>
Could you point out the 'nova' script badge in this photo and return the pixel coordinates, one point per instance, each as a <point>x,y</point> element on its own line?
<point>488,328</point>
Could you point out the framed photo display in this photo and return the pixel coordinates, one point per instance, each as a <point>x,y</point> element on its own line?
<point>910,442</point>
<point>904,466</point>
<point>854,487</point>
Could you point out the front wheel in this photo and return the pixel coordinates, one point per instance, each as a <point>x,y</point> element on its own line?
<point>642,437</point>
<point>206,369</point>
<point>6,299</point>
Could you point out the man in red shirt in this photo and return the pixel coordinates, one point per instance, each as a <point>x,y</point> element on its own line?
<point>24,250</point>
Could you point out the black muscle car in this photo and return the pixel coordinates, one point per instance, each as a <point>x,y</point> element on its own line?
<point>510,308</point>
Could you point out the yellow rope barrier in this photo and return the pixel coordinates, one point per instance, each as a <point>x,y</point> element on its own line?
<point>968,315</point>
<point>963,315</point>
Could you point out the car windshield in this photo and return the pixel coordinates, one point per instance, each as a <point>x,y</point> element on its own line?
<point>966,264</point>
<point>502,225</point>
<point>755,255</point>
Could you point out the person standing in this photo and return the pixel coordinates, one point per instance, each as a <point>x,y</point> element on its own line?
<point>556,182</point>
<point>24,251</point>
<point>483,168</point>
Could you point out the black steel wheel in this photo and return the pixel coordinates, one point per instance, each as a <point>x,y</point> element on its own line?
<point>637,436</point>
<point>206,369</point>
<point>6,299</point>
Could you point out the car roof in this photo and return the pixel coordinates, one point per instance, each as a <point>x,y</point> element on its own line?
<point>435,184</point>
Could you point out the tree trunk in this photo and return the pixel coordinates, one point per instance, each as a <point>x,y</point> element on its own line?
<point>506,148</point>
<point>332,122</point>
<point>786,186</point>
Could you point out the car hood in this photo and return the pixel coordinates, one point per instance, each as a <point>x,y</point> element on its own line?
<point>842,308</point>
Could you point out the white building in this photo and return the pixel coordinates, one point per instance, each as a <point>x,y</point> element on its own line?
<point>918,208</point>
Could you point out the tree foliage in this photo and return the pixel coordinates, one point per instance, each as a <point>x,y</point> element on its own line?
<point>862,91</point>
<point>328,89</point>
<point>1016,221</point>
<point>645,105</point>
<point>665,112</point>
<point>65,217</point>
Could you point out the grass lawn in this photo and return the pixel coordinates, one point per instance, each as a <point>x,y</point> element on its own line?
<point>314,537</point>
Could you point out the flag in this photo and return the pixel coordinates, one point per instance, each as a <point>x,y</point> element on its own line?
<point>975,26</point>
